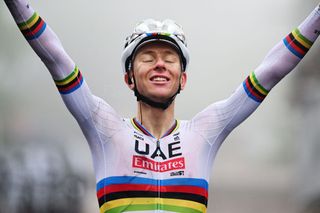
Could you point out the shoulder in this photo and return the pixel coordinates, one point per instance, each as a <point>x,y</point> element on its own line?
<point>106,116</point>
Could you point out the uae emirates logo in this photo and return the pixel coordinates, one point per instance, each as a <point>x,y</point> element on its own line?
<point>142,162</point>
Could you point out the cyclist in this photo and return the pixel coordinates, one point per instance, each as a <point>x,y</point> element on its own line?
<point>153,162</point>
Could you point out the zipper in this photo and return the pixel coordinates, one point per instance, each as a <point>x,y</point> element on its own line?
<point>159,181</point>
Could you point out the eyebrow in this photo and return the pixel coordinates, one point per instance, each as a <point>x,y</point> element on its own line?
<point>146,52</point>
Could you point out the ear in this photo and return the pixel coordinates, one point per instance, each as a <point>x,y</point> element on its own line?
<point>183,80</point>
<point>129,80</point>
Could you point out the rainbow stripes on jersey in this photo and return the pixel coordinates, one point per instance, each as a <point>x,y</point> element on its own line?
<point>129,193</point>
<point>297,43</point>
<point>33,27</point>
<point>254,89</point>
<point>137,125</point>
<point>71,83</point>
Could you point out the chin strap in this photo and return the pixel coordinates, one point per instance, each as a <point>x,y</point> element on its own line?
<point>160,105</point>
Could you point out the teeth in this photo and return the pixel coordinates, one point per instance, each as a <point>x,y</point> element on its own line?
<point>159,79</point>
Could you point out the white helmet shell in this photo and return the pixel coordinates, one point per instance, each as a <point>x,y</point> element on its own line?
<point>151,30</point>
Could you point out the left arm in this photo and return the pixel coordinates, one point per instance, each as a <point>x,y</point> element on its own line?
<point>284,57</point>
<point>219,119</point>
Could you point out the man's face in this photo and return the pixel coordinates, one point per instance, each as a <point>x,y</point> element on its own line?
<point>157,71</point>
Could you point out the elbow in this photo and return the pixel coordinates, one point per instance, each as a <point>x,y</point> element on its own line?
<point>271,71</point>
<point>53,56</point>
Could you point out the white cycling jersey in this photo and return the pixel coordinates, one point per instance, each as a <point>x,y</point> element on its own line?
<point>135,171</point>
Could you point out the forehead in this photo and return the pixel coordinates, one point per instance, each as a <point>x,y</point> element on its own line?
<point>157,46</point>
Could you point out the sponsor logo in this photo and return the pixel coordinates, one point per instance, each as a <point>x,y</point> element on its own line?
<point>179,173</point>
<point>138,172</point>
<point>148,164</point>
<point>174,150</point>
<point>139,137</point>
<point>176,136</point>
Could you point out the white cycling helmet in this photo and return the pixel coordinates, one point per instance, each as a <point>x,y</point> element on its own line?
<point>151,30</point>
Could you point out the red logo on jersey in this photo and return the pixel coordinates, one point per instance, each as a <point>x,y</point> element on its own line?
<point>145,163</point>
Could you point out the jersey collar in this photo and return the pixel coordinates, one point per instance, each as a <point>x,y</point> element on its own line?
<point>137,125</point>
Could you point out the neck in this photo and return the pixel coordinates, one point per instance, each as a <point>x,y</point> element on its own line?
<point>157,121</point>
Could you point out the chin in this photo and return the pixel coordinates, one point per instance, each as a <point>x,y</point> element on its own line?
<point>160,98</point>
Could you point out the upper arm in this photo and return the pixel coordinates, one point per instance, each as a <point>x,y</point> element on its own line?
<point>220,118</point>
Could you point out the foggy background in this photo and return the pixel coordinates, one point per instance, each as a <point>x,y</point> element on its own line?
<point>270,163</point>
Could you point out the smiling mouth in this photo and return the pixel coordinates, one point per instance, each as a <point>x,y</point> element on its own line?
<point>159,79</point>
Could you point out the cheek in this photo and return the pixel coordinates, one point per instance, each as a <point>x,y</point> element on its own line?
<point>139,68</point>
<point>136,71</point>
<point>178,68</point>
<point>177,71</point>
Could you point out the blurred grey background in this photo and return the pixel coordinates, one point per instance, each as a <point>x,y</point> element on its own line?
<point>270,163</point>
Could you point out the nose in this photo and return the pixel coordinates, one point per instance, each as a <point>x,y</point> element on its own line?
<point>160,64</point>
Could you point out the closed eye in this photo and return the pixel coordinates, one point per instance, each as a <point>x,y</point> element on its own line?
<point>147,60</point>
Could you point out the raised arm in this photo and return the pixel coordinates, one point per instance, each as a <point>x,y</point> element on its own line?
<point>41,38</point>
<point>288,53</point>
<point>219,119</point>
<point>48,47</point>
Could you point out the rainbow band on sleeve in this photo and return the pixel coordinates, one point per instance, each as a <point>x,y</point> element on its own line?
<point>254,89</point>
<point>33,27</point>
<point>71,83</point>
<point>128,193</point>
<point>297,43</point>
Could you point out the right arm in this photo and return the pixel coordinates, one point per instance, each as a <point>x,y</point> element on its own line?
<point>48,47</point>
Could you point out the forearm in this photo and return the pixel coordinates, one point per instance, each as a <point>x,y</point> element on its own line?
<point>41,38</point>
<point>288,53</point>
<point>68,78</point>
